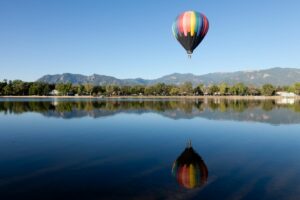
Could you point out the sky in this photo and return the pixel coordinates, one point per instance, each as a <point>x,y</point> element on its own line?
<point>133,38</point>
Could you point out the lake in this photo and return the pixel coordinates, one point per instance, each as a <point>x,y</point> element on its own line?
<point>149,149</point>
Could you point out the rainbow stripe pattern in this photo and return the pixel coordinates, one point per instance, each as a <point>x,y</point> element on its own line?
<point>190,176</point>
<point>190,28</point>
<point>189,169</point>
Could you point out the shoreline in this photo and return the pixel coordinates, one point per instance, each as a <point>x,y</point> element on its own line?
<point>156,97</point>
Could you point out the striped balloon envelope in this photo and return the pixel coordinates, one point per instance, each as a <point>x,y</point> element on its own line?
<point>190,170</point>
<point>190,28</point>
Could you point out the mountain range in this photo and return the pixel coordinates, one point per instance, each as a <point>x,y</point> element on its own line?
<point>275,76</point>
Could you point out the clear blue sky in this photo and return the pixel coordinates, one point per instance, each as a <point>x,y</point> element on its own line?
<point>133,38</point>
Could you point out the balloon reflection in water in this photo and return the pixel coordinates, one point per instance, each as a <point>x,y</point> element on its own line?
<point>189,169</point>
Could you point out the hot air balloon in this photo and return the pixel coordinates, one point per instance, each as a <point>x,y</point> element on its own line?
<point>190,28</point>
<point>189,169</point>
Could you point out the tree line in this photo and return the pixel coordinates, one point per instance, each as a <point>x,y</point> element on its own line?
<point>21,88</point>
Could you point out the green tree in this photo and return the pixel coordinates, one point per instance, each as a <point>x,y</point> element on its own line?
<point>241,89</point>
<point>238,89</point>
<point>2,85</point>
<point>268,90</point>
<point>297,88</point>
<point>174,91</point>
<point>149,90</point>
<point>68,88</point>
<point>109,90</point>
<point>291,89</point>
<point>213,89</point>
<point>233,90</point>
<point>112,90</point>
<point>18,87</point>
<point>116,90</point>
<point>80,90</point>
<point>136,90</point>
<point>199,89</point>
<point>160,89</point>
<point>46,89</point>
<point>60,87</point>
<point>186,88</point>
<point>224,88</point>
<point>8,90</point>
<point>98,90</point>
<point>36,89</point>
<point>64,89</point>
<point>253,91</point>
<point>88,88</point>
<point>125,90</point>
<point>284,88</point>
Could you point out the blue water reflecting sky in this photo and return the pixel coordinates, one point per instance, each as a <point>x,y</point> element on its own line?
<point>130,155</point>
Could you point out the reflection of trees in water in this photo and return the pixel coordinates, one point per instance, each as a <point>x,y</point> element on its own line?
<point>178,109</point>
<point>233,105</point>
<point>68,106</point>
<point>296,107</point>
<point>268,105</point>
<point>20,107</point>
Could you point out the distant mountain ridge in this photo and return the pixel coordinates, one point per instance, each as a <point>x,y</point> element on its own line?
<point>275,76</point>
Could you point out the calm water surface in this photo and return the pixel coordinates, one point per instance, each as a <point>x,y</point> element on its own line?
<point>139,149</point>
